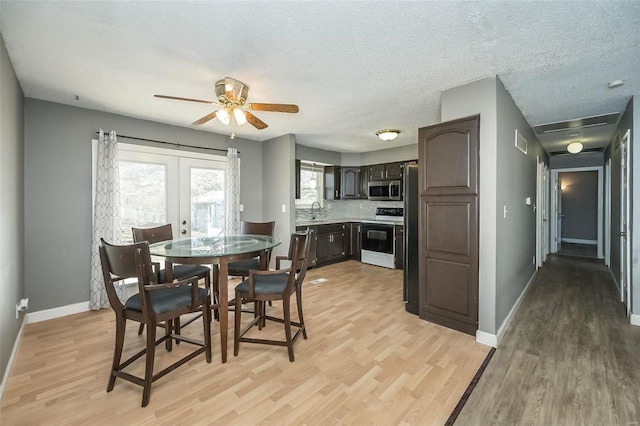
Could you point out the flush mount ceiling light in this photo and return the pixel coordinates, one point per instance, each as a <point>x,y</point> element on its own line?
<point>388,134</point>
<point>574,147</point>
<point>615,83</point>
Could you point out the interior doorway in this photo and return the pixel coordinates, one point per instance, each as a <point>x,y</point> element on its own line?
<point>577,211</point>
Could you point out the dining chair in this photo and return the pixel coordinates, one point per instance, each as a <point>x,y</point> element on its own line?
<point>241,268</point>
<point>154,302</point>
<point>281,284</point>
<point>180,272</point>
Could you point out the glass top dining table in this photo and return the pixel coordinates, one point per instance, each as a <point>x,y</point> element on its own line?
<point>215,250</point>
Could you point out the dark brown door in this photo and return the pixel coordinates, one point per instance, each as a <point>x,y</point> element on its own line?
<point>448,265</point>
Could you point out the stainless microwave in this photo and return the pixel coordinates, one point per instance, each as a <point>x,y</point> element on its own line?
<point>385,190</point>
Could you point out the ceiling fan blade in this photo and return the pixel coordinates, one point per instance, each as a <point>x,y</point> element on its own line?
<point>206,118</point>
<point>255,121</point>
<point>184,99</point>
<point>274,107</point>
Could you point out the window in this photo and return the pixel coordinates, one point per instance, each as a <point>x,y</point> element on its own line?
<point>311,184</point>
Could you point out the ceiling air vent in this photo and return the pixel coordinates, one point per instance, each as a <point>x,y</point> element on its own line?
<point>597,120</point>
<point>521,142</point>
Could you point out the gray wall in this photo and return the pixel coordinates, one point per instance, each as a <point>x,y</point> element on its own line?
<point>516,180</point>
<point>474,98</point>
<point>507,178</point>
<point>279,182</point>
<point>12,211</point>
<point>579,205</point>
<point>568,161</point>
<point>58,191</point>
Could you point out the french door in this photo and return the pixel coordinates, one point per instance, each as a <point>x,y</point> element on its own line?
<point>160,186</point>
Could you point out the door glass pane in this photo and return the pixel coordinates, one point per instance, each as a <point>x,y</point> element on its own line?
<point>143,196</point>
<point>207,201</point>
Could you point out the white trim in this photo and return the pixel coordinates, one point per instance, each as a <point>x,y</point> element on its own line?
<point>61,311</point>
<point>174,152</point>
<point>487,339</point>
<point>635,319</point>
<point>12,357</point>
<point>579,241</point>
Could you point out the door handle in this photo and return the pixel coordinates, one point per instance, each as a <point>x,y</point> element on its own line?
<point>183,232</point>
<point>184,222</point>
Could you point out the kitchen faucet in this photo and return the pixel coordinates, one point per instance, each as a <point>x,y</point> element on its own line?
<point>313,214</point>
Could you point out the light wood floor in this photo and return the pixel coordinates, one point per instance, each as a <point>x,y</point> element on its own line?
<point>570,356</point>
<point>366,361</point>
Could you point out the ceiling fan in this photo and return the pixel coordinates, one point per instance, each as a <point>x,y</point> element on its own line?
<point>232,97</point>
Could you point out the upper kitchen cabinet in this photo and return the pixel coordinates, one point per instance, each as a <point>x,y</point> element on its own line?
<point>354,183</point>
<point>389,171</point>
<point>332,183</point>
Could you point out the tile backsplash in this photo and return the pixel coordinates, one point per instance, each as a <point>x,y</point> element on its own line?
<point>345,209</point>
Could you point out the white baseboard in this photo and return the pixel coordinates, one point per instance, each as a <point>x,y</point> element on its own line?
<point>16,345</point>
<point>62,311</point>
<point>487,338</point>
<point>578,241</point>
<point>635,319</point>
<point>494,339</point>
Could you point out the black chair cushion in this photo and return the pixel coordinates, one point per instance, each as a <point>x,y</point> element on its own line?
<point>166,299</point>
<point>265,284</point>
<point>245,265</point>
<point>181,272</point>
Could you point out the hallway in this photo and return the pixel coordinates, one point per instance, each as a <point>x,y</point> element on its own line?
<point>570,356</point>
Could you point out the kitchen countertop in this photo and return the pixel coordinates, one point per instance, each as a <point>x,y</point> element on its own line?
<point>332,221</point>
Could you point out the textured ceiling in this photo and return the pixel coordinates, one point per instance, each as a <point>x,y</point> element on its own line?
<point>353,67</point>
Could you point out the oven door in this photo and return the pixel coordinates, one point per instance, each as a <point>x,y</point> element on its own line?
<point>377,237</point>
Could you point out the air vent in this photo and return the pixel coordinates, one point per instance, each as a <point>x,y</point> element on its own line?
<point>554,153</point>
<point>521,142</point>
<point>598,120</point>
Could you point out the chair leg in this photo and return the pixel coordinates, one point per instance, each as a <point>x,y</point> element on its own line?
<point>140,329</point>
<point>286,309</point>
<point>300,317</point>
<point>215,291</point>
<point>148,372</point>
<point>168,329</point>
<point>236,325</point>
<point>117,352</point>
<point>206,323</point>
<point>176,328</point>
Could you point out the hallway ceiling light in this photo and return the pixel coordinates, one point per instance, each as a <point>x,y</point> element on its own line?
<point>574,147</point>
<point>388,134</point>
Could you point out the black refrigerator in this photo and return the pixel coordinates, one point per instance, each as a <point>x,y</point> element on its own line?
<point>410,267</point>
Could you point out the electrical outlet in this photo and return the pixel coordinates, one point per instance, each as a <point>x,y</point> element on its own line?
<point>22,305</point>
<point>241,207</point>
<point>284,208</point>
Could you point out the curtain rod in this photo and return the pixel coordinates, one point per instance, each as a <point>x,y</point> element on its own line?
<point>177,145</point>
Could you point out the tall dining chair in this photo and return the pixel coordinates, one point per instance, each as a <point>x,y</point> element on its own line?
<point>281,284</point>
<point>152,304</point>
<point>241,268</point>
<point>180,272</point>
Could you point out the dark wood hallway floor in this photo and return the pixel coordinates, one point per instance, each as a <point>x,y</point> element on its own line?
<point>570,356</point>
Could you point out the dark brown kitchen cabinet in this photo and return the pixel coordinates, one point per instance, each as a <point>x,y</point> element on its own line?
<point>332,183</point>
<point>363,181</point>
<point>330,243</point>
<point>388,171</point>
<point>297,179</point>
<point>349,183</point>
<point>399,236</point>
<point>356,241</point>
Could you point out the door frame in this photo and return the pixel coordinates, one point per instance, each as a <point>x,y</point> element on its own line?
<point>625,218</point>
<point>542,202</point>
<point>607,213</point>
<point>554,208</point>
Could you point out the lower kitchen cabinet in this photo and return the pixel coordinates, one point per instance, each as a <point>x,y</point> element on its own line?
<point>330,243</point>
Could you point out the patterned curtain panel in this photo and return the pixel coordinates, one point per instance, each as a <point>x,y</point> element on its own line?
<point>106,212</point>
<point>232,193</point>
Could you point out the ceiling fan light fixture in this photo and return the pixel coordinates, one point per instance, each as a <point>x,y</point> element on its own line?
<point>574,147</point>
<point>239,116</point>
<point>223,116</point>
<point>388,135</point>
